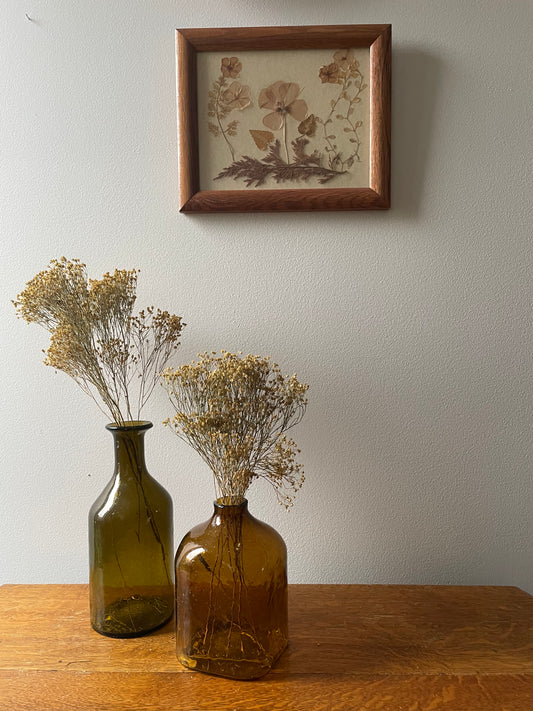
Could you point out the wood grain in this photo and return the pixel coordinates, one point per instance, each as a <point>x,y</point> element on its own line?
<point>380,116</point>
<point>285,200</point>
<point>62,691</point>
<point>374,197</point>
<point>189,169</point>
<point>352,648</point>
<point>264,38</point>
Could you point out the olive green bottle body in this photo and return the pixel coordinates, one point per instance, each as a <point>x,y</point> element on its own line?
<point>231,595</point>
<point>131,584</point>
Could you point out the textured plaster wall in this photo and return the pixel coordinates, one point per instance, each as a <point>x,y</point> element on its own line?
<point>413,326</point>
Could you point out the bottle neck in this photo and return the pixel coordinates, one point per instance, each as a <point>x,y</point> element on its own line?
<point>229,510</point>
<point>128,440</point>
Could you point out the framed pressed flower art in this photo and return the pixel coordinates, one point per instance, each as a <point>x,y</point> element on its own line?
<point>284,118</point>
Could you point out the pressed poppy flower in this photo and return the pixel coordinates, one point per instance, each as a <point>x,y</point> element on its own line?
<point>231,67</point>
<point>282,100</point>
<point>236,96</point>
<point>330,74</point>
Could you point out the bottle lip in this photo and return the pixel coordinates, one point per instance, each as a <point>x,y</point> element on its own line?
<point>129,426</point>
<point>228,502</point>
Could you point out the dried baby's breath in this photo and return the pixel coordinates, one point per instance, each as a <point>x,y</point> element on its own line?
<point>234,411</point>
<point>96,338</point>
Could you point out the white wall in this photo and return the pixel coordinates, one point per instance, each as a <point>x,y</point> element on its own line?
<point>412,326</point>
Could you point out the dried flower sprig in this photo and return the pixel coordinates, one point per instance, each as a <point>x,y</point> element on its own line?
<point>344,70</point>
<point>96,339</point>
<point>234,411</point>
<point>224,99</point>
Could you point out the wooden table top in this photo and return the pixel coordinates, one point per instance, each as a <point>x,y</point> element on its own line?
<point>352,648</point>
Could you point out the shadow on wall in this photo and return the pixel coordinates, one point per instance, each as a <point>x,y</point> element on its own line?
<point>415,85</point>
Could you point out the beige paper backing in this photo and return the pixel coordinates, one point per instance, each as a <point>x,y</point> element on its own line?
<point>259,70</point>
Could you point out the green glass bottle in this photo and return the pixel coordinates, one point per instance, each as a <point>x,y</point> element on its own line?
<point>131,544</point>
<point>231,595</point>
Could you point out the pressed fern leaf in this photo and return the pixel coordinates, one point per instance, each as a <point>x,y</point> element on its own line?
<point>254,172</point>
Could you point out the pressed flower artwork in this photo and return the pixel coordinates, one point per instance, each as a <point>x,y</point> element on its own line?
<point>284,119</point>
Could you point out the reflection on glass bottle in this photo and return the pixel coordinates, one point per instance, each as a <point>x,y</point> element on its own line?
<point>131,544</point>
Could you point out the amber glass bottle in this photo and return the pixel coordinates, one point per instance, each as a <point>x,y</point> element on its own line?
<point>231,595</point>
<point>131,544</point>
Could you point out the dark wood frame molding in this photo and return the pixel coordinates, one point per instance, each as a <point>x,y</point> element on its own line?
<point>191,41</point>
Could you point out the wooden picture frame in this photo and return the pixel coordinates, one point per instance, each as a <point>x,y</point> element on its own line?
<point>339,43</point>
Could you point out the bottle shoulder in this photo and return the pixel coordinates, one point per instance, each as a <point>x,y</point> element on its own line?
<point>130,493</point>
<point>215,534</point>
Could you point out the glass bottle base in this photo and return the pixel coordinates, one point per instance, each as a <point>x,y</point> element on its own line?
<point>233,653</point>
<point>133,616</point>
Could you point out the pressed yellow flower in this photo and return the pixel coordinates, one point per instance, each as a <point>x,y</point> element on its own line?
<point>231,67</point>
<point>330,74</point>
<point>345,58</point>
<point>236,96</point>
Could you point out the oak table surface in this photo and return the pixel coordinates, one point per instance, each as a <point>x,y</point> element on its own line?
<point>352,648</point>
